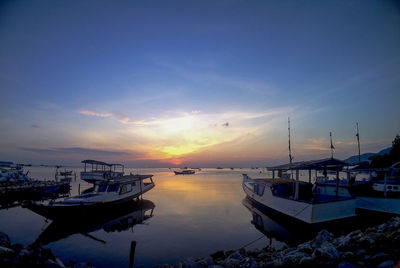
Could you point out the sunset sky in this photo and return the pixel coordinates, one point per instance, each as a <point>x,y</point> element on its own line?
<point>196,83</point>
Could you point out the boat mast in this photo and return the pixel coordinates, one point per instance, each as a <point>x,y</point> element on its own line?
<point>358,141</point>
<point>290,150</point>
<point>332,147</point>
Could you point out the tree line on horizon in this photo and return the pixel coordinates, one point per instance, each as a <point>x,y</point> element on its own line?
<point>388,159</point>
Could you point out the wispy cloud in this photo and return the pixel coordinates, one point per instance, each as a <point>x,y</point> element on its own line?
<point>73,150</point>
<point>93,113</point>
<point>247,85</point>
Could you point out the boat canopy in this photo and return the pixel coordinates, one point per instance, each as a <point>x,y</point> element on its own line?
<point>95,164</point>
<point>322,164</point>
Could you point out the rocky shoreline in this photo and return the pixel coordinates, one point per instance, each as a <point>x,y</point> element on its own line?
<point>21,256</point>
<point>377,246</point>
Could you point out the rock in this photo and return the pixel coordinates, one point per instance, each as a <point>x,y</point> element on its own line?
<point>347,256</point>
<point>387,264</point>
<point>228,252</point>
<point>235,255</point>
<point>306,261</point>
<point>52,264</point>
<point>380,257</point>
<point>178,265</point>
<point>5,252</point>
<point>5,240</point>
<point>294,258</point>
<point>218,255</point>
<point>232,263</point>
<point>327,251</point>
<point>199,264</point>
<point>361,253</point>
<point>83,265</point>
<point>321,237</point>
<point>305,247</point>
<point>347,265</point>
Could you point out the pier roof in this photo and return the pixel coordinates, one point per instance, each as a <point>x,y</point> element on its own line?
<point>327,163</point>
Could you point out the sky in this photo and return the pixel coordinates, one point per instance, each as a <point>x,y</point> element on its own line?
<point>196,83</point>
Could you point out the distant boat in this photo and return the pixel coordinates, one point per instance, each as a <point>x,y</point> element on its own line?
<point>104,196</point>
<point>184,172</point>
<point>296,199</point>
<point>219,167</point>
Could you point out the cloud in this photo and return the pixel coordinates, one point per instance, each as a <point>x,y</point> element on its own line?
<point>92,113</point>
<point>73,150</point>
<point>35,126</point>
<point>318,144</point>
<point>118,116</point>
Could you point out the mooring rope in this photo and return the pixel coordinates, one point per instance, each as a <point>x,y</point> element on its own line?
<point>252,242</point>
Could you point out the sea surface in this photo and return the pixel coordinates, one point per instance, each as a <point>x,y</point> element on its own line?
<point>183,216</point>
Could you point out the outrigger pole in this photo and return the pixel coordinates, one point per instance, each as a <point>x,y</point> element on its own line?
<point>358,141</point>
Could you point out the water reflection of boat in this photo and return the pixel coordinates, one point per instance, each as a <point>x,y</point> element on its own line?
<point>275,227</point>
<point>103,198</point>
<point>120,218</point>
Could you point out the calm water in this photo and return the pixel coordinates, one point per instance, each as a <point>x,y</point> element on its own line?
<point>183,216</point>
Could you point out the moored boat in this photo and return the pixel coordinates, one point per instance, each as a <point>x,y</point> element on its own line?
<point>296,199</point>
<point>105,196</point>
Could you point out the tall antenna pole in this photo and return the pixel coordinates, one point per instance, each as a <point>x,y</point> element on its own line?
<point>290,151</point>
<point>358,140</point>
<point>332,147</point>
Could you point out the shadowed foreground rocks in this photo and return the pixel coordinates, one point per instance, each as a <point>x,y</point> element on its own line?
<point>378,246</point>
<point>20,256</point>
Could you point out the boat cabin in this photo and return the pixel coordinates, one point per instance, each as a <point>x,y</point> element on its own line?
<point>303,190</point>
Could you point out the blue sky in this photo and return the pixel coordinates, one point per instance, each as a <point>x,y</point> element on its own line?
<point>154,83</point>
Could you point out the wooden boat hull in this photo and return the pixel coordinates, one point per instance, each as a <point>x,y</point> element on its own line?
<point>308,212</point>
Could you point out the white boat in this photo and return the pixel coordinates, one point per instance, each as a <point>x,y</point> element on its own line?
<point>105,196</point>
<point>184,172</point>
<point>296,199</point>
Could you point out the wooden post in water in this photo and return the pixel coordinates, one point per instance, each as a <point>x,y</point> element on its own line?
<point>296,197</point>
<point>79,189</point>
<point>132,254</point>
<point>309,175</point>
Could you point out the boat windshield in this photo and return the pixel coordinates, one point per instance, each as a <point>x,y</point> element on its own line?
<point>102,188</point>
<point>113,188</point>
